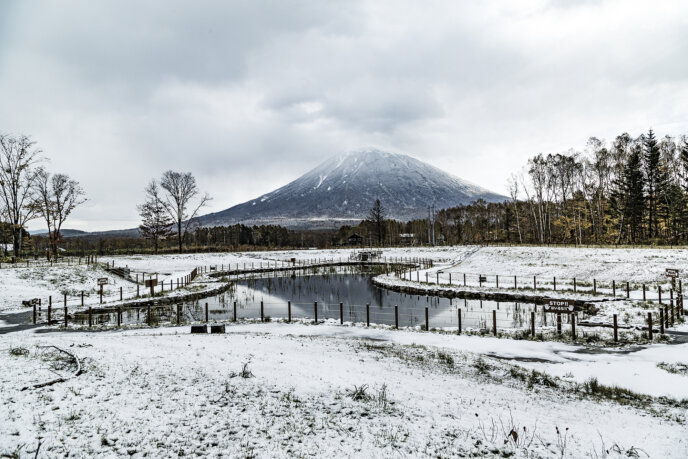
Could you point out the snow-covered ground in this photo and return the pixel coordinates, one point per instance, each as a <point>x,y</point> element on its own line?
<point>637,266</point>
<point>586,264</point>
<point>18,284</point>
<point>622,264</point>
<point>21,284</point>
<point>164,392</point>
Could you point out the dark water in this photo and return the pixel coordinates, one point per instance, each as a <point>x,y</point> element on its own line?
<point>353,288</point>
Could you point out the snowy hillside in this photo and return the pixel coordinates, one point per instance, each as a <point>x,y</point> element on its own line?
<point>345,187</point>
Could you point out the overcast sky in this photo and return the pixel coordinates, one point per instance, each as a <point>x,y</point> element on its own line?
<point>248,95</point>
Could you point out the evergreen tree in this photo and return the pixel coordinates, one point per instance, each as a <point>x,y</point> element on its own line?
<point>377,219</point>
<point>655,180</point>
<point>628,199</point>
<point>156,223</point>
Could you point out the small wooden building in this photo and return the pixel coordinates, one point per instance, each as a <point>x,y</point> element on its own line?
<point>355,239</point>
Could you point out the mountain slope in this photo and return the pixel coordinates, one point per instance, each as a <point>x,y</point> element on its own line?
<point>345,187</point>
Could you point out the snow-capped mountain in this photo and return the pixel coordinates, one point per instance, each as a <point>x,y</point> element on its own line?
<point>344,188</point>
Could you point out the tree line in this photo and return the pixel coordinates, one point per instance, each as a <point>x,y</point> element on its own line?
<point>632,190</point>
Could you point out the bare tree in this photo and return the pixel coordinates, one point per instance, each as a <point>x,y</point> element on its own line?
<point>55,197</point>
<point>181,192</point>
<point>17,160</point>
<point>155,221</point>
<point>512,184</point>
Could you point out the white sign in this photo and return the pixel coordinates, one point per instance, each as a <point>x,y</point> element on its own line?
<point>559,306</point>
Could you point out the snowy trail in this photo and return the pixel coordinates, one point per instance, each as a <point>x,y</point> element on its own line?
<point>464,256</point>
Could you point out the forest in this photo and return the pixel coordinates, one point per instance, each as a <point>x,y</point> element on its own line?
<point>628,191</point>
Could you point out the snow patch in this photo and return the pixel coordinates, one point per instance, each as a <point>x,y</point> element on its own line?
<point>320,181</point>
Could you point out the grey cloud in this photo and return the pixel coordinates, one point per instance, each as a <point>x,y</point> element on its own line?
<point>250,94</point>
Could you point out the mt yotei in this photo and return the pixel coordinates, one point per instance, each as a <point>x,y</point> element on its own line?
<point>344,188</point>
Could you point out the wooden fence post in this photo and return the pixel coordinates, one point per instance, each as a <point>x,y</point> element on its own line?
<point>396,316</point>
<point>50,309</point>
<point>594,286</point>
<point>235,313</point>
<point>315,312</point>
<point>515,284</point>
<point>480,280</point>
<point>120,294</point>
<point>179,314</point>
<point>661,321</point>
<point>574,285</point>
<point>459,317</point>
<point>494,322</point>
<point>659,291</point>
<point>558,323</point>
<point>628,289</point>
<point>532,323</point>
<point>680,294</point>
<point>616,329</point>
<point>671,308</point>
<point>613,288</point>
<point>206,313</point>
<point>649,325</point>
<point>427,324</point>
<point>367,314</point>
<point>573,326</point>
<point>119,317</point>
<point>289,311</point>
<point>341,313</point>
<point>554,287</point>
<point>34,314</point>
<point>66,317</point>
<point>644,298</point>
<point>90,317</point>
<point>534,283</point>
<point>497,281</point>
<point>262,316</point>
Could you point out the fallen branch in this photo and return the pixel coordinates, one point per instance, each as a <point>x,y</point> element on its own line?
<point>60,379</point>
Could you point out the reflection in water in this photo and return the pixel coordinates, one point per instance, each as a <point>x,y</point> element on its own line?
<point>330,287</point>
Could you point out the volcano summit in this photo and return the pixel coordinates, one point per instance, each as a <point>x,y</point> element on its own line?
<point>342,190</point>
